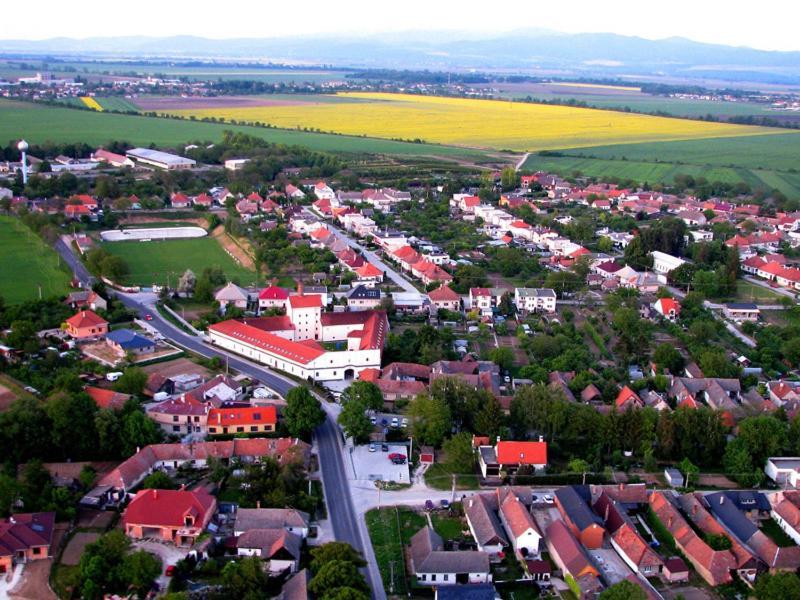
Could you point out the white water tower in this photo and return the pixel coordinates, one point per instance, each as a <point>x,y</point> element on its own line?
<point>23,148</point>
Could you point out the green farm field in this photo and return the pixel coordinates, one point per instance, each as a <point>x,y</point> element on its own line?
<point>39,123</point>
<point>767,161</point>
<point>156,262</point>
<point>26,263</point>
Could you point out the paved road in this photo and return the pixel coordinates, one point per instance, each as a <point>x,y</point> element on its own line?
<point>347,525</point>
<point>394,275</point>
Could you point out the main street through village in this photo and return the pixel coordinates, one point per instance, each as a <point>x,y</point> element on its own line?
<point>347,524</point>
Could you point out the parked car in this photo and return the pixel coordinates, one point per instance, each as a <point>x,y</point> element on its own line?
<point>384,422</point>
<point>373,447</point>
<point>384,448</point>
<point>429,505</point>
<point>148,317</point>
<point>404,422</point>
<point>445,503</point>
<point>373,420</point>
<point>170,571</point>
<point>397,458</point>
<point>395,422</point>
<point>548,499</point>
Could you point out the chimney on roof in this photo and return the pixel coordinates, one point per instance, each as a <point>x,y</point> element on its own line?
<point>155,494</point>
<point>694,509</point>
<point>299,288</point>
<point>183,487</point>
<point>669,522</point>
<point>621,486</point>
<point>219,418</point>
<point>722,499</point>
<point>258,503</point>
<point>541,438</point>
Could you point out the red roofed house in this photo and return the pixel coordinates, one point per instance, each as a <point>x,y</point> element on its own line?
<point>628,398</point>
<point>247,419</point>
<point>509,456</point>
<point>179,200</point>
<point>25,537</point>
<point>203,200</point>
<point>273,297</point>
<point>115,160</point>
<point>445,298</point>
<point>635,551</point>
<point>104,398</point>
<point>86,325</point>
<point>76,211</point>
<point>175,516</point>
<point>369,274</point>
<point>569,556</point>
<point>430,273</point>
<point>669,308</point>
<point>522,531</point>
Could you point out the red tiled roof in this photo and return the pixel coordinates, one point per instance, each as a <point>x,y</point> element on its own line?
<point>478,292</point>
<point>406,254</point>
<point>107,398</point>
<point>516,516</point>
<point>247,415</point>
<point>306,301</point>
<point>168,508</point>
<point>634,547</point>
<point>267,341</point>
<point>669,304</point>
<point>568,550</point>
<point>524,453</point>
<point>627,395</point>
<point>369,270</point>
<point>86,318</point>
<point>24,531</point>
<point>443,294</point>
<point>370,374</point>
<point>277,323</point>
<point>273,292</point>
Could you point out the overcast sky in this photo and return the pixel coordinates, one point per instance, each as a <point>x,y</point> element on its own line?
<point>771,25</point>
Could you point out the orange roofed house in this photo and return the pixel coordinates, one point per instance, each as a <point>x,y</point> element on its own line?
<point>247,419</point>
<point>86,324</point>
<point>176,516</point>
<point>509,456</point>
<point>25,537</point>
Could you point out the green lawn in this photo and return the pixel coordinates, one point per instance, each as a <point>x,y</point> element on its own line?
<point>39,123</point>
<point>440,477</point>
<point>389,530</point>
<point>750,292</point>
<point>157,262</point>
<point>26,263</point>
<point>450,528</point>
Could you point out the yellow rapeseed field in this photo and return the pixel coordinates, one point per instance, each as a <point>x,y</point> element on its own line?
<point>91,103</point>
<point>476,123</point>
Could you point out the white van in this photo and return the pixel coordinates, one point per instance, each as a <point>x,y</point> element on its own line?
<point>113,376</point>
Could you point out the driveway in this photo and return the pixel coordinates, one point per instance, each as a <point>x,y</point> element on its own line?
<point>168,554</point>
<point>34,583</point>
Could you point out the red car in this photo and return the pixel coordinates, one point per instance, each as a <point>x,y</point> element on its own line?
<point>148,317</point>
<point>170,571</point>
<point>397,458</point>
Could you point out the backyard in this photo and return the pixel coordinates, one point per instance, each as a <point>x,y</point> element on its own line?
<point>390,529</point>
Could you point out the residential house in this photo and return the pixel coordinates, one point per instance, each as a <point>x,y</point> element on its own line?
<point>741,311</point>
<point>272,297</point>
<point>25,537</point>
<point>664,263</point>
<point>786,512</point>
<point>180,200</point>
<point>278,547</point>
<point>86,299</point>
<point>242,419</point>
<point>296,587</point>
<point>362,297</point>
<point>627,398</point>
<point>173,516</point>
<point>233,295</point>
<point>445,298</point>
<point>668,308</point>
<point>480,511</point>
<point>535,300</point>
<point>108,399</point>
<point>508,456</point>
<point>125,341</point>
<point>481,299</point>
<point>522,530</point>
<point>369,275</point>
<point>430,273</point>
<point>785,471</point>
<point>431,565</point>
<point>323,191</point>
<point>569,556</point>
<point>85,325</point>
<point>584,524</point>
<point>292,520</point>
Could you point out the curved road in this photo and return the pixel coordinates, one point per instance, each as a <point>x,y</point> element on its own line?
<point>347,527</point>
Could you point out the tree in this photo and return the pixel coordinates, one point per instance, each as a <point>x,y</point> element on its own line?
<point>335,551</point>
<point>139,570</point>
<point>187,282</point>
<point>762,436</point>
<point>345,593</point>
<point>365,391</point>
<point>65,411</point>
<point>354,420</point>
<point>337,574</point>
<point>578,465</point>
<point>244,579</point>
<point>460,456</point>
<point>502,356</point>
<point>431,419</point>
<point>739,465</point>
<point>158,480</point>
<point>624,590</point>
<point>780,586</point>
<point>132,381</point>
<point>714,363</point>
<point>108,427</point>
<point>490,421</point>
<point>690,471</point>
<point>509,178</point>
<point>303,412</point>
<point>137,432</point>
<point>667,356</point>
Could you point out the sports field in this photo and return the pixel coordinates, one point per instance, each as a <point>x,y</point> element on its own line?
<point>477,123</point>
<point>39,123</point>
<point>26,263</point>
<point>160,262</point>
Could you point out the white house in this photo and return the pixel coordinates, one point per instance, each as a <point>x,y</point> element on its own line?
<point>522,531</point>
<point>664,263</point>
<point>232,294</point>
<point>431,565</point>
<point>292,520</point>
<point>783,470</point>
<point>277,546</point>
<point>323,191</point>
<point>535,300</point>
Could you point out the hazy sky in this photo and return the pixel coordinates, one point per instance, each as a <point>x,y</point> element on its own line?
<point>771,25</point>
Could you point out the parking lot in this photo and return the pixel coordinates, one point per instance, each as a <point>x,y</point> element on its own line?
<point>376,466</point>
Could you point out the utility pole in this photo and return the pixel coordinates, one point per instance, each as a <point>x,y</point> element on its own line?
<point>453,496</point>
<point>391,577</point>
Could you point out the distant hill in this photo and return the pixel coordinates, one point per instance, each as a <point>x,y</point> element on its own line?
<point>595,54</point>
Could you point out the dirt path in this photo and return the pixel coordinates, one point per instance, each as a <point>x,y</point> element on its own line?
<point>235,250</point>
<point>34,583</point>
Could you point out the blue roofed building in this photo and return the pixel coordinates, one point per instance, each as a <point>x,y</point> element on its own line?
<point>127,340</point>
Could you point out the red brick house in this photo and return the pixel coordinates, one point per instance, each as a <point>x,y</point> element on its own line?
<point>248,419</point>
<point>175,516</point>
<point>25,537</point>
<point>86,324</point>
